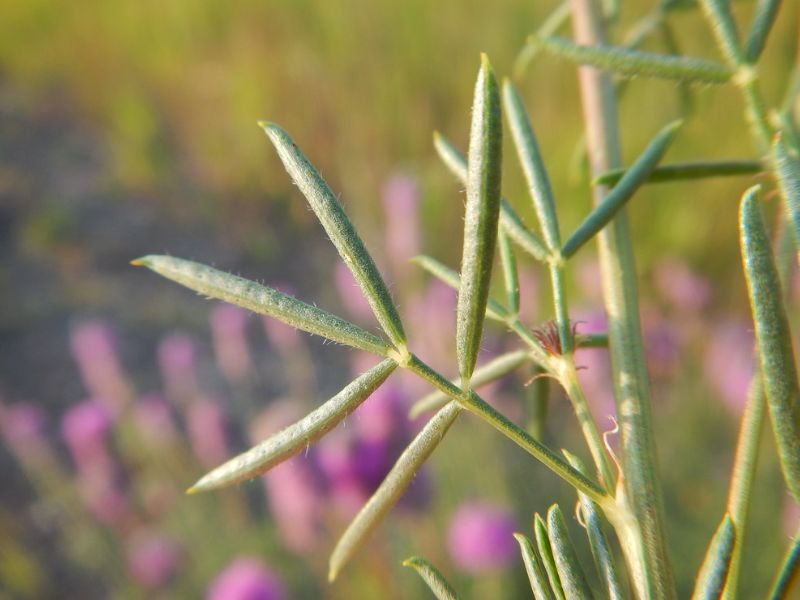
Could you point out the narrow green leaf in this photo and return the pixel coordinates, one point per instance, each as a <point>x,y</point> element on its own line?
<point>773,338</point>
<point>298,436</point>
<point>719,15</point>
<point>714,570</point>
<point>598,542</point>
<point>262,300</point>
<point>510,274</point>
<point>570,573</point>
<point>689,170</point>
<point>392,488</point>
<point>592,340</point>
<point>764,19</point>
<point>480,223</point>
<point>509,220</point>
<point>744,469</point>
<point>546,554</point>
<point>476,405</point>
<point>789,572</point>
<point>636,63</point>
<point>340,230</point>
<point>530,158</point>
<point>432,577</point>
<point>494,310</point>
<point>491,371</point>
<point>787,168</point>
<point>540,586</point>
<point>623,191</point>
<point>549,26</point>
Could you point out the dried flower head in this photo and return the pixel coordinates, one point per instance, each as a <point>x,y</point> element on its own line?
<point>547,335</point>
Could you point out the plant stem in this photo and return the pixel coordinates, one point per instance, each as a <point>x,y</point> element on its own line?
<point>649,563</point>
<point>744,468</point>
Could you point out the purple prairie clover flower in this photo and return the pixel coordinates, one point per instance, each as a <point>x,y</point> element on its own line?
<point>729,362</point>
<point>594,366</point>
<point>662,343</point>
<point>294,488</point>
<point>229,331</point>
<point>401,205</point>
<point>153,558</point>
<point>351,295</point>
<point>434,324</point>
<point>85,428</point>
<point>246,578</point>
<point>154,420</point>
<point>95,353</point>
<point>208,432</point>
<point>23,426</point>
<point>480,538</point>
<point>177,357</point>
<point>684,289</point>
<point>105,498</point>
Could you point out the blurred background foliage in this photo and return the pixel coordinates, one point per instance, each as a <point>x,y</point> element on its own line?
<point>129,127</point>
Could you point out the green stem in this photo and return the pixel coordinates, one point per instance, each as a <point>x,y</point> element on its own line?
<point>757,115</point>
<point>649,562</point>
<point>476,405</point>
<point>744,468</point>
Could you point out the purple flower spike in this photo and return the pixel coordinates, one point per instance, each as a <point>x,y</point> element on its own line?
<point>94,351</point>
<point>22,426</point>
<point>246,578</point>
<point>229,330</point>
<point>208,433</point>
<point>177,355</point>
<point>682,287</point>
<point>401,203</point>
<point>85,428</point>
<point>383,416</point>
<point>153,558</point>
<point>352,297</point>
<point>153,417</point>
<point>729,363</point>
<point>481,538</point>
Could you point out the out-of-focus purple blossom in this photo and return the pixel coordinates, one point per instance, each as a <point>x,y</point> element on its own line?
<point>153,558</point>
<point>433,325</point>
<point>401,205</point>
<point>662,343</point>
<point>589,279</point>
<point>384,415</point>
<point>177,356</point>
<point>529,296</point>
<point>682,287</point>
<point>594,366</point>
<point>283,337</point>
<point>351,295</point>
<point>294,488</point>
<point>85,428</point>
<point>208,432</point>
<point>480,538</point>
<point>22,426</point>
<point>104,496</point>
<point>729,363</point>
<point>94,351</point>
<point>246,578</point>
<point>229,331</point>
<point>153,417</point>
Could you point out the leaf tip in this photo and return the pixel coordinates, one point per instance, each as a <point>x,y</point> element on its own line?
<point>139,262</point>
<point>485,63</point>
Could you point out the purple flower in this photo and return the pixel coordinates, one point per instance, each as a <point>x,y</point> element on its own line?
<point>85,428</point>
<point>246,578</point>
<point>434,323</point>
<point>153,558</point>
<point>480,538</point>
<point>22,426</point>
<point>177,355</point>
<point>105,498</point>
<point>351,295</point>
<point>400,203</point>
<point>153,417</point>
<point>729,363</point>
<point>208,433</point>
<point>293,488</point>
<point>95,353</point>
<point>682,287</point>
<point>595,368</point>
<point>229,330</point>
